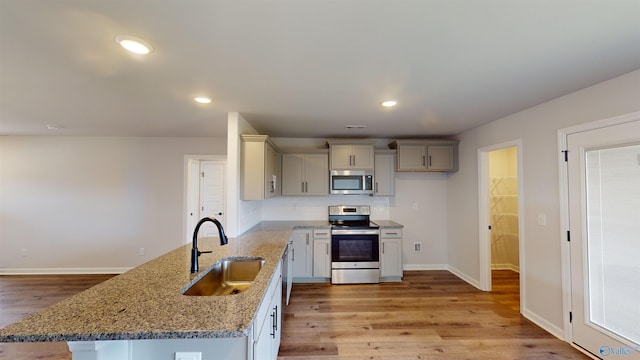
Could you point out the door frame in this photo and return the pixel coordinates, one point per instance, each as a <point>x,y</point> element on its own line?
<point>565,250</point>
<point>187,189</point>
<point>485,215</point>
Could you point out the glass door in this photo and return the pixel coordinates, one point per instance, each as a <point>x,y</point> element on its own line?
<point>604,212</point>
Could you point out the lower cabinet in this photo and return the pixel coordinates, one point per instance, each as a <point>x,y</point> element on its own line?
<point>268,324</point>
<point>321,253</point>
<point>301,254</point>
<point>391,255</point>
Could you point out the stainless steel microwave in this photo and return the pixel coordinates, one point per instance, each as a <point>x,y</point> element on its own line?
<point>351,182</point>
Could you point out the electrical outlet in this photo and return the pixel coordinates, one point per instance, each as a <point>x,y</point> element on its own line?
<point>417,246</point>
<point>24,252</point>
<point>188,356</point>
<point>415,206</point>
<point>142,251</point>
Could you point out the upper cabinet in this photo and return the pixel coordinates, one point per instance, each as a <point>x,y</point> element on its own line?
<point>305,174</point>
<point>260,168</point>
<point>385,173</point>
<point>351,154</point>
<point>426,155</point>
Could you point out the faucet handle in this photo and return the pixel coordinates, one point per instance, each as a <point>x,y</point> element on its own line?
<point>203,252</point>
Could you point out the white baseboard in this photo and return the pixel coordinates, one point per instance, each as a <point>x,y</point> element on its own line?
<point>543,323</point>
<point>410,267</point>
<point>465,277</point>
<point>63,271</point>
<point>511,267</point>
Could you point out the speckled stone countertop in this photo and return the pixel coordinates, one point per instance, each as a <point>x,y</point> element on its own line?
<point>146,302</point>
<point>388,224</point>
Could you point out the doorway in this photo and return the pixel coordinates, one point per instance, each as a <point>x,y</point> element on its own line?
<point>503,207</point>
<point>204,193</point>
<point>600,176</point>
<point>500,208</point>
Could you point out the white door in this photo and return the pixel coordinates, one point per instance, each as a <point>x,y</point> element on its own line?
<point>604,222</point>
<point>211,195</point>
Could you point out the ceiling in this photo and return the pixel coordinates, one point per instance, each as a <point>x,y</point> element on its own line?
<point>301,68</point>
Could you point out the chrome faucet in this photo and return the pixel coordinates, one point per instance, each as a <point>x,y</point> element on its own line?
<point>194,247</point>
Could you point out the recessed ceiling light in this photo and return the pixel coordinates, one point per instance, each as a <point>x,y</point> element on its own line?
<point>133,44</point>
<point>203,100</point>
<point>389,103</point>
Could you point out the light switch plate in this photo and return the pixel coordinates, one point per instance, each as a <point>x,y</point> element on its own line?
<point>542,219</point>
<point>188,356</point>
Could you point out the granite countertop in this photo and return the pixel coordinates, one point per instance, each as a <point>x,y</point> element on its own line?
<point>146,303</point>
<point>388,224</point>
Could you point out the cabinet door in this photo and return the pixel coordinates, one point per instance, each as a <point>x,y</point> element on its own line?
<point>272,172</point>
<point>275,333</point>
<point>411,157</point>
<point>385,167</point>
<point>293,174</point>
<point>317,174</point>
<point>301,253</point>
<point>391,258</point>
<point>321,258</point>
<point>262,344</point>
<point>362,157</point>
<point>341,156</point>
<point>440,157</point>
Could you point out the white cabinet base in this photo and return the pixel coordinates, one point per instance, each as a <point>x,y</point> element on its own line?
<point>165,349</point>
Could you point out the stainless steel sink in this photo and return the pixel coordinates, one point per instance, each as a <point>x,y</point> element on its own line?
<point>227,277</point>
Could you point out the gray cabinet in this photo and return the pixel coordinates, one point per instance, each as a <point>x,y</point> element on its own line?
<point>267,327</point>
<point>322,253</point>
<point>426,155</point>
<point>351,155</point>
<point>385,173</point>
<point>305,174</point>
<point>301,253</point>
<point>391,254</point>
<point>259,168</point>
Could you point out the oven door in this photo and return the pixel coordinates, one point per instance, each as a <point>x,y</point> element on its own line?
<point>355,256</point>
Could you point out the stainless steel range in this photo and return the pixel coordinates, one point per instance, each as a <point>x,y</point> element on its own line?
<point>355,245</point>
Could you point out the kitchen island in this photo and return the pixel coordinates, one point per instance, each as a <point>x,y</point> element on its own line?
<point>142,314</point>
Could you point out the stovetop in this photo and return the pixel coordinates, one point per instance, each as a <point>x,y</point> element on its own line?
<point>342,224</point>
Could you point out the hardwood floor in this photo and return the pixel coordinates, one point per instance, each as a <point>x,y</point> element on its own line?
<point>23,295</point>
<point>430,315</point>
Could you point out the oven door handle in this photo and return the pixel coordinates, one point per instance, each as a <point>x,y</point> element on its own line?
<point>355,232</point>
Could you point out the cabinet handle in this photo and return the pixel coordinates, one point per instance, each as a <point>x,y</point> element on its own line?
<point>429,160</point>
<point>392,233</point>
<point>327,247</point>
<point>293,254</point>
<point>302,190</point>
<point>376,187</point>
<point>274,322</point>
<point>306,186</point>
<point>383,248</point>
<point>423,161</point>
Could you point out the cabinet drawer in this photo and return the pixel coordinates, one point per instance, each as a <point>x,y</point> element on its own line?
<point>321,233</point>
<point>391,233</point>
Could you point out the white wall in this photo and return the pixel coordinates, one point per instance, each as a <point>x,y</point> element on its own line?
<point>537,127</point>
<point>241,215</point>
<point>420,205</point>
<point>90,203</point>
